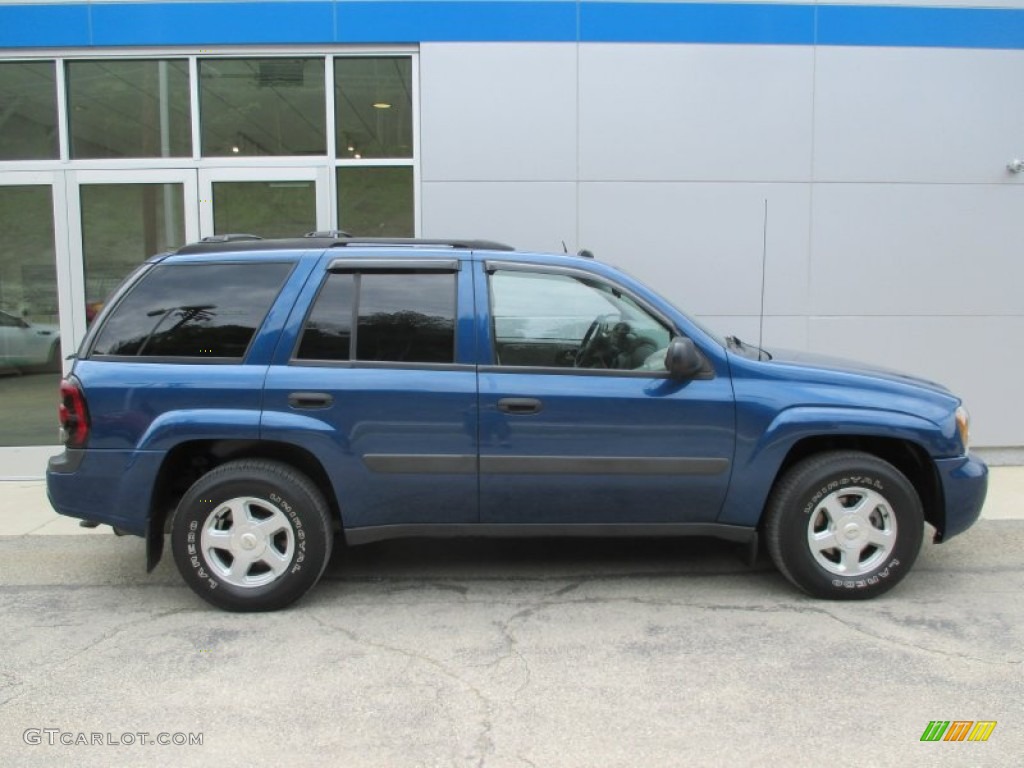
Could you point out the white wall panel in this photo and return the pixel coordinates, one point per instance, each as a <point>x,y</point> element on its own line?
<point>894,228</point>
<point>918,114</point>
<point>528,215</point>
<point>701,244</point>
<point>695,112</point>
<point>498,112</point>
<point>779,332</point>
<point>883,249</point>
<point>973,356</point>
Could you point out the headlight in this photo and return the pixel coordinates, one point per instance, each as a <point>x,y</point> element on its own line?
<point>963,420</point>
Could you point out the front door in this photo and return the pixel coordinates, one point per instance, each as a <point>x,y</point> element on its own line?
<point>579,421</point>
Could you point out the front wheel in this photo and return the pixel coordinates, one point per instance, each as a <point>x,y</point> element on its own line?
<point>844,525</point>
<point>252,535</point>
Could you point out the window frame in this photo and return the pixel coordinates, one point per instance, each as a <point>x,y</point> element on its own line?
<point>491,365</point>
<point>138,278</point>
<point>382,266</point>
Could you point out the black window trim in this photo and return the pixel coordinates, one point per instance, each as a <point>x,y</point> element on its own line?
<point>357,264</point>
<point>377,267</point>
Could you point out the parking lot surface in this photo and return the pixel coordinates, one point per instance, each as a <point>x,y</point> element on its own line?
<point>516,653</point>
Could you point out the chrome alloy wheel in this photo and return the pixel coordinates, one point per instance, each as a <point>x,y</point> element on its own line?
<point>852,531</point>
<point>248,541</point>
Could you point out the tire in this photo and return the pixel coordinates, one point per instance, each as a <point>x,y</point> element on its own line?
<point>252,535</point>
<point>857,502</point>
<point>53,362</point>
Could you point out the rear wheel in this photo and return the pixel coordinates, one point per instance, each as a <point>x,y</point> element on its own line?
<point>252,535</point>
<point>844,525</point>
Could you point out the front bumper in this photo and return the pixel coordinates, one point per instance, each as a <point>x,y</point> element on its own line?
<point>964,485</point>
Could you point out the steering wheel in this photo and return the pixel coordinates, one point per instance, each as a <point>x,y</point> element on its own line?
<point>587,354</point>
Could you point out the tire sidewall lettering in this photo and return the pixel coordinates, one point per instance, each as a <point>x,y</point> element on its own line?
<point>849,481</point>
<point>197,561</point>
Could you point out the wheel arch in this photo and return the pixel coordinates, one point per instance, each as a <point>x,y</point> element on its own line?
<point>908,457</point>
<point>188,461</point>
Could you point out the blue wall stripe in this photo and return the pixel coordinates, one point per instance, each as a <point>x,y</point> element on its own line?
<point>284,22</point>
<point>393,21</point>
<point>750,23</point>
<point>921,27</point>
<point>202,23</point>
<point>57,26</point>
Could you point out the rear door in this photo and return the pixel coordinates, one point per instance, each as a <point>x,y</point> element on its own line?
<point>379,377</point>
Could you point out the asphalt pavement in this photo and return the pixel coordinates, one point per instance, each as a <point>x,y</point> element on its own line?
<point>508,653</point>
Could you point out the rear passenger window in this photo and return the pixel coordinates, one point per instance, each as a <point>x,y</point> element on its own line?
<point>192,311</point>
<point>400,317</point>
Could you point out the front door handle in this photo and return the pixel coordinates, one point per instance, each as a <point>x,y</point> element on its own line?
<point>520,405</point>
<point>310,400</point>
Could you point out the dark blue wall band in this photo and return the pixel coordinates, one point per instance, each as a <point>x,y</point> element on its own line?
<point>292,22</point>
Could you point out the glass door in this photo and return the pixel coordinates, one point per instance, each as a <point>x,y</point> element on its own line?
<point>118,219</point>
<point>32,345</point>
<point>269,202</point>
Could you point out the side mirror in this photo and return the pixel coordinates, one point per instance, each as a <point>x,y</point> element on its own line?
<point>682,360</point>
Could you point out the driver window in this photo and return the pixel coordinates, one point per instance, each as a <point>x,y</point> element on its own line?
<point>551,320</point>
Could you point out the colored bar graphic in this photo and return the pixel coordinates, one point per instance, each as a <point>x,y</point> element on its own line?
<point>958,730</point>
<point>935,730</point>
<point>982,730</point>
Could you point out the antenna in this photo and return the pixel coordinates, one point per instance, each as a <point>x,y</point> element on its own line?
<point>764,262</point>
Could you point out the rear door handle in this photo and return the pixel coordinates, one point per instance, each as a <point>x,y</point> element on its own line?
<point>521,405</point>
<point>310,400</point>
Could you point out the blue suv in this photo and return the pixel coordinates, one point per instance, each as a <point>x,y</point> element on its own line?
<point>253,399</point>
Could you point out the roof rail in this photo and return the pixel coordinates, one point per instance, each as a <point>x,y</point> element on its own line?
<point>232,238</point>
<point>413,242</point>
<point>334,234</point>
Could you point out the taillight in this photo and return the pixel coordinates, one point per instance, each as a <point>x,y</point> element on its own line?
<point>74,416</point>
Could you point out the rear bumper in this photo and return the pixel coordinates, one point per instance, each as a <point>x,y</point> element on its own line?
<point>964,485</point>
<point>109,487</point>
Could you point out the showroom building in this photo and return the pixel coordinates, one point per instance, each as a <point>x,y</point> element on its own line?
<point>851,170</point>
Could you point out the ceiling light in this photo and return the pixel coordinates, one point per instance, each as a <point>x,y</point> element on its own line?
<point>236,150</point>
<point>381,105</point>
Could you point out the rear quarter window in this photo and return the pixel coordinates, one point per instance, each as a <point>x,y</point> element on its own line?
<point>192,311</point>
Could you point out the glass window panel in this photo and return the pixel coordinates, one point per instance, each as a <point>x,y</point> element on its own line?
<point>28,110</point>
<point>122,226</point>
<point>30,351</point>
<point>376,201</point>
<point>373,105</point>
<point>262,107</point>
<point>328,331</point>
<point>193,310</point>
<point>557,320</point>
<point>129,108</point>
<point>406,317</point>
<point>264,208</point>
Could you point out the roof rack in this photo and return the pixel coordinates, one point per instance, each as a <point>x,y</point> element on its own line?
<point>414,242</point>
<point>333,234</point>
<point>232,238</point>
<point>217,244</point>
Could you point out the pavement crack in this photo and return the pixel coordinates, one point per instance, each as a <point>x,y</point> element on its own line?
<point>484,742</point>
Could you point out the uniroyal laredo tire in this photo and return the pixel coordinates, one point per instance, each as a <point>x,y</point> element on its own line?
<point>252,535</point>
<point>844,525</point>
